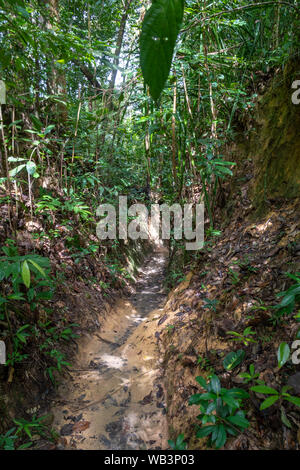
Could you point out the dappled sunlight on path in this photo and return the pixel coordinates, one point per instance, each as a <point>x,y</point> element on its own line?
<point>115,398</point>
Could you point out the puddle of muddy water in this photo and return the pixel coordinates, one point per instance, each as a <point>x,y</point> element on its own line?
<point>115,399</point>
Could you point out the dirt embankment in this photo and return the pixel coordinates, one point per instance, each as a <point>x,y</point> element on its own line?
<point>236,278</point>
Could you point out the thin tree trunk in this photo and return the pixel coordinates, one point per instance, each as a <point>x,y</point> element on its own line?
<point>174,146</point>
<point>147,146</point>
<point>6,166</point>
<point>277,27</point>
<point>117,54</point>
<point>187,99</point>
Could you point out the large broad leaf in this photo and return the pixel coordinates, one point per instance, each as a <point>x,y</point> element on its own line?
<point>215,384</point>
<point>205,431</point>
<point>31,168</point>
<point>160,29</point>
<point>233,359</point>
<point>269,402</point>
<point>25,274</point>
<point>294,400</point>
<point>16,170</point>
<point>239,420</point>
<point>38,267</point>
<point>264,389</point>
<point>283,354</point>
<point>221,436</point>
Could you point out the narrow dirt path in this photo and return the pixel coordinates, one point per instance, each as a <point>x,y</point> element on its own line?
<point>115,398</point>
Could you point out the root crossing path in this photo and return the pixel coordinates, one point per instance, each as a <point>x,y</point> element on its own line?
<point>115,398</point>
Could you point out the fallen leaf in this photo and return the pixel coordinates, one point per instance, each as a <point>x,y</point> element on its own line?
<point>81,426</point>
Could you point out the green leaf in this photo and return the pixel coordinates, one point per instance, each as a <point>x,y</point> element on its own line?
<point>238,393</point>
<point>180,439</point>
<point>37,123</point>
<point>25,446</point>
<point>284,418</point>
<point>195,399</point>
<point>49,129</point>
<point>292,276</point>
<point>283,354</point>
<point>233,359</point>
<point>202,382</point>
<point>264,389</point>
<point>26,274</point>
<point>16,170</point>
<point>205,431</point>
<point>287,300</point>
<point>221,436</point>
<point>231,401</point>
<point>239,421</point>
<point>211,407</point>
<point>17,296</point>
<point>199,397</point>
<point>37,267</point>
<point>215,384</point>
<point>160,29</point>
<point>31,168</point>
<point>23,12</point>
<point>269,402</point>
<point>172,444</point>
<point>16,160</point>
<point>294,400</point>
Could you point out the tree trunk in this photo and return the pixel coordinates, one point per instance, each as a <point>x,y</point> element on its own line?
<point>118,49</point>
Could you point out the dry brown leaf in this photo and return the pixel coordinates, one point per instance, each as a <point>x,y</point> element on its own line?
<point>81,426</point>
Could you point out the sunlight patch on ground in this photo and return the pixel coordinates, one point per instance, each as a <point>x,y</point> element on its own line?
<point>148,358</point>
<point>114,362</point>
<point>135,318</point>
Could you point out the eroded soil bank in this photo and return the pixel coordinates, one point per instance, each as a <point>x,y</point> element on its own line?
<point>115,397</point>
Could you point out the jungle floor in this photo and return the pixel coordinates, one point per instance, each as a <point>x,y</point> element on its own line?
<point>138,356</point>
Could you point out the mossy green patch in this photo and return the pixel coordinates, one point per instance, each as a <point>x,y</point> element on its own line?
<point>275,145</point>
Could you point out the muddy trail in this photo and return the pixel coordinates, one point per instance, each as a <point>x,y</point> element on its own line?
<point>114,398</point>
